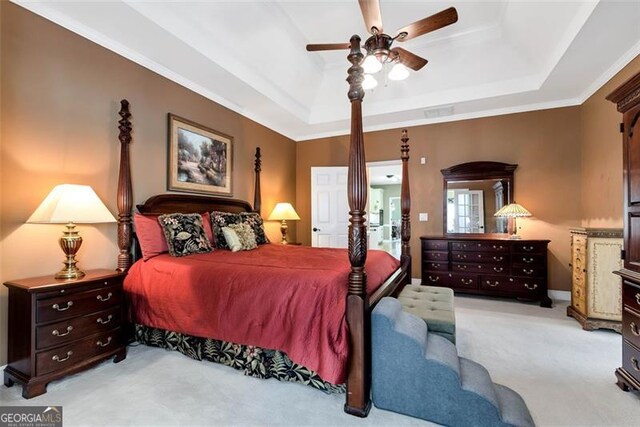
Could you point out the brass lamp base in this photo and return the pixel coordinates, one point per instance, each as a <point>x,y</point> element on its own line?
<point>283,229</point>
<point>70,242</point>
<point>512,228</point>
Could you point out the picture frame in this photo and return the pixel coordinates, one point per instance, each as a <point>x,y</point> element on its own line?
<point>200,159</point>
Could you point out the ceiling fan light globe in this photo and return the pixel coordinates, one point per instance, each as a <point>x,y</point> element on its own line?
<point>371,65</point>
<point>369,82</point>
<point>398,72</point>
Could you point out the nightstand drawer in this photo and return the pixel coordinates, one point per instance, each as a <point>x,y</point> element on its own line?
<point>77,304</point>
<point>76,328</point>
<point>631,295</point>
<point>76,352</point>
<point>631,327</point>
<point>631,359</point>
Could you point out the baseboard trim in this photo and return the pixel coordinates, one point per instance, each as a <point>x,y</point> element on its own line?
<point>559,295</point>
<point>416,281</point>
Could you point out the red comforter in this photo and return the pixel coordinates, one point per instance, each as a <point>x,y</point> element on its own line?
<point>287,298</point>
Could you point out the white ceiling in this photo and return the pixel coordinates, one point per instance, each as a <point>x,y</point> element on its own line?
<point>500,57</point>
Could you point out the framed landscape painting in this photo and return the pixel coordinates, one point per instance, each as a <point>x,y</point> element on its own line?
<point>200,159</point>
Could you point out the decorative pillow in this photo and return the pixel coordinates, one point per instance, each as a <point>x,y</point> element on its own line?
<point>185,234</point>
<point>232,239</point>
<point>150,235</point>
<point>246,235</point>
<point>224,219</point>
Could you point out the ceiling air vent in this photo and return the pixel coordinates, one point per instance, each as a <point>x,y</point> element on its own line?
<point>434,113</point>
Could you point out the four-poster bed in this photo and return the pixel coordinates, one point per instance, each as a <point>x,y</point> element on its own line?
<point>359,301</point>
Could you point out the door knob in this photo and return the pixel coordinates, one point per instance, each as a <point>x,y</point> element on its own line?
<point>316,229</point>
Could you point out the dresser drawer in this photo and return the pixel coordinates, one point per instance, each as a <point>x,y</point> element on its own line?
<point>530,247</point>
<point>497,283</point>
<point>76,352</point>
<point>631,296</point>
<point>466,281</point>
<point>435,279</point>
<point>435,266</point>
<point>435,245</point>
<point>479,268</point>
<point>631,327</point>
<point>631,359</point>
<point>78,327</point>
<point>480,246</point>
<point>480,257</point>
<point>435,256</point>
<point>527,259</point>
<point>77,304</point>
<point>528,271</point>
<point>531,285</point>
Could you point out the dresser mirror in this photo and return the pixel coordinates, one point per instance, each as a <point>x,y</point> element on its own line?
<point>472,193</point>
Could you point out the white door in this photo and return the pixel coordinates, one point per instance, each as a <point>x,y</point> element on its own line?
<point>329,207</point>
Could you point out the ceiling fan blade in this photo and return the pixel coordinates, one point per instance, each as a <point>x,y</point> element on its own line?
<point>371,14</point>
<point>409,59</point>
<point>328,46</point>
<point>428,24</point>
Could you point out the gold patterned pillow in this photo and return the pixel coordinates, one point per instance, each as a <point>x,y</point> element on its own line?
<point>246,235</point>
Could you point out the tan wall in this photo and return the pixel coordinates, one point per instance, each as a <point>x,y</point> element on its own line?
<point>545,145</point>
<point>602,155</point>
<point>60,98</point>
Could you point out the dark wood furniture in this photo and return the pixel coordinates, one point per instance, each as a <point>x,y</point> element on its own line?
<point>487,266</point>
<point>627,98</point>
<point>60,327</point>
<point>359,304</point>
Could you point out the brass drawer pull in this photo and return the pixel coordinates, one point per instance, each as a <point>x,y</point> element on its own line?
<point>57,358</point>
<point>70,303</point>
<point>462,267</point>
<point>494,284</point>
<point>634,329</point>
<point>530,260</point>
<point>467,282</point>
<point>497,258</point>
<point>638,298</point>
<point>497,247</point>
<point>528,248</point>
<point>527,271</point>
<point>104,322</point>
<point>433,279</point>
<point>103,299</point>
<point>498,269</point>
<point>531,287</point>
<point>634,362</point>
<point>101,344</point>
<point>58,334</point>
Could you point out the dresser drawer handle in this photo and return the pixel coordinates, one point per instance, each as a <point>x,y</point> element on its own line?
<point>498,258</point>
<point>528,248</point>
<point>462,267</point>
<point>530,260</point>
<point>498,247</point>
<point>634,329</point>
<point>58,334</point>
<point>638,298</point>
<point>498,269</point>
<point>467,282</point>
<point>433,279</point>
<point>57,358</point>
<point>527,271</point>
<point>101,344</point>
<point>70,303</point>
<point>104,322</point>
<point>531,287</point>
<point>494,284</point>
<point>103,299</point>
<point>634,362</point>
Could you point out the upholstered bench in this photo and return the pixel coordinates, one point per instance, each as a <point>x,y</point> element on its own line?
<point>434,305</point>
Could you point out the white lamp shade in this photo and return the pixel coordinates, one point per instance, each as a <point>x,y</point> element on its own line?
<point>512,210</point>
<point>371,65</point>
<point>369,82</point>
<point>71,203</point>
<point>283,211</point>
<point>398,72</point>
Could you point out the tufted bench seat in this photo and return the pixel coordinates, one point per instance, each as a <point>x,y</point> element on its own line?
<point>434,305</point>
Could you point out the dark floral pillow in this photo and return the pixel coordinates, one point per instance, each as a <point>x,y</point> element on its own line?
<point>185,234</point>
<point>225,219</point>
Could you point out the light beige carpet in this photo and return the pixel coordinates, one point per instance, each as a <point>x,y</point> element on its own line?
<point>565,375</point>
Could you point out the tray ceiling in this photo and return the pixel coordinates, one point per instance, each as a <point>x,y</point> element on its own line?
<point>500,57</point>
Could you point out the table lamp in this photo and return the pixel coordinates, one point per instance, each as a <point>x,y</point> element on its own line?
<point>71,204</point>
<point>283,212</point>
<point>511,212</point>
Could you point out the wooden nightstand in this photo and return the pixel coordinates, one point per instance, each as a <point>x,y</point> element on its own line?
<point>60,327</point>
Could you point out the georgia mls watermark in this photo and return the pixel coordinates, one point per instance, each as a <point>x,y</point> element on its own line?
<point>30,416</point>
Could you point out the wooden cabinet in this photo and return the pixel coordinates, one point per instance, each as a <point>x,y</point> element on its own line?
<point>596,293</point>
<point>487,266</point>
<point>60,327</point>
<point>627,99</point>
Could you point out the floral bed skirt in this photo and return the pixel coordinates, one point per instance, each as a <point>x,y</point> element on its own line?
<point>254,361</point>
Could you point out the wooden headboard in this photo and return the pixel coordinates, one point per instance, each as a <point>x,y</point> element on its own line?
<point>187,203</point>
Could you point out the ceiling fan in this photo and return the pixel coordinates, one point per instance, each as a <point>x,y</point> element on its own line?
<point>378,46</point>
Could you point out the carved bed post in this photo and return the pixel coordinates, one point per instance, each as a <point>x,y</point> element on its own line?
<point>405,203</point>
<point>358,383</point>
<point>257,197</point>
<point>125,194</point>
